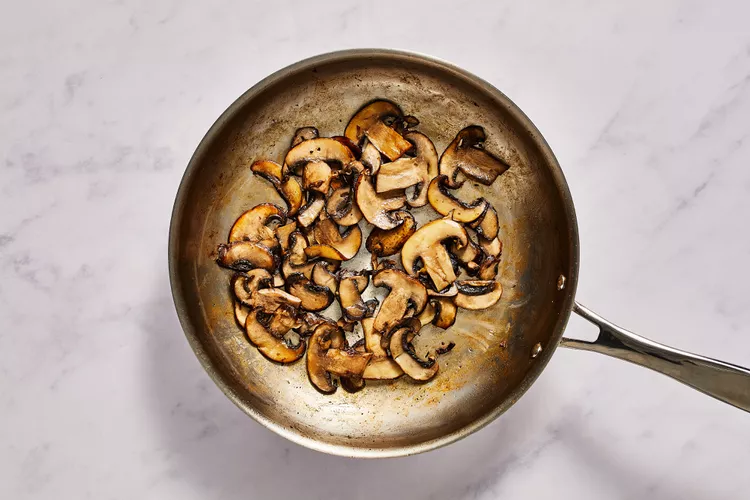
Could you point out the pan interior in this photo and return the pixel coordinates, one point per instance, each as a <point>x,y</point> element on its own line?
<point>491,365</point>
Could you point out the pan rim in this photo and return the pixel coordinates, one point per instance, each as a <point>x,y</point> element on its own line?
<point>218,377</point>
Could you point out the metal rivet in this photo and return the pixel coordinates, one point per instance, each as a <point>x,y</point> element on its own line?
<point>561,282</point>
<point>536,350</point>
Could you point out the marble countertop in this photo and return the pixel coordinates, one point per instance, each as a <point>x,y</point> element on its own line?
<point>646,104</point>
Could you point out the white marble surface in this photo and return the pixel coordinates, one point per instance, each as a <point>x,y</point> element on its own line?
<point>646,104</point>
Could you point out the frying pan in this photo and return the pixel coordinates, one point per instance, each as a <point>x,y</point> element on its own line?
<point>499,351</point>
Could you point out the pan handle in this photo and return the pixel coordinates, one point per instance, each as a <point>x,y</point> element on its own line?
<point>723,381</point>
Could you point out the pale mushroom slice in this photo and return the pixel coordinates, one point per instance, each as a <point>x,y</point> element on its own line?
<point>425,245</point>
<point>283,233</point>
<point>426,153</point>
<point>406,297</point>
<point>272,347</point>
<point>269,300</point>
<point>400,174</point>
<point>492,248</point>
<point>367,116</point>
<point>253,225</point>
<point>375,207</point>
<point>244,285</point>
<point>487,225</point>
<point>445,203</point>
<point>371,158</point>
<point>386,242</point>
<point>309,213</point>
<point>381,366</point>
<point>445,312</point>
<point>428,313</point>
<point>324,149</point>
<point>403,353</point>
<point>241,312</point>
<point>303,134</point>
<point>332,245</point>
<point>324,359</point>
<point>245,255</point>
<point>478,294</point>
<point>465,156</point>
<point>313,297</point>
<point>316,176</point>
<point>342,207</point>
<point>288,187</point>
<point>387,141</point>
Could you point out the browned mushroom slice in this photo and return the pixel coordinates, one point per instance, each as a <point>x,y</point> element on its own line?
<point>323,277</point>
<point>425,244</point>
<point>445,315</point>
<point>361,278</point>
<point>451,291</point>
<point>405,293</point>
<point>296,252</point>
<point>245,255</point>
<point>355,383</point>
<point>269,170</point>
<point>241,312</point>
<point>244,285</point>
<point>428,313</point>
<point>404,123</point>
<point>381,366</point>
<point>346,363</point>
<point>309,213</point>
<point>283,233</point>
<point>367,116</point>
<point>278,280</point>
<point>478,294</point>
<point>332,245</point>
<point>470,256</point>
<point>493,247</point>
<point>371,158</point>
<point>270,346</point>
<point>404,354</point>
<point>313,297</point>
<point>356,151</point>
<point>308,321</point>
<point>466,156</point>
<point>342,207</point>
<point>377,207</point>
<point>387,141</point>
<point>304,134</point>
<point>317,177</point>
<point>400,174</point>
<point>445,203</point>
<point>253,225</point>
<point>427,155</point>
<point>323,359</point>
<point>489,268</point>
<point>322,149</point>
<point>382,242</point>
<point>288,187</point>
<point>269,300</point>
<point>350,299</point>
<point>487,224</point>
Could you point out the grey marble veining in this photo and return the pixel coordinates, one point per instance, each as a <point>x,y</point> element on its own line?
<point>646,104</point>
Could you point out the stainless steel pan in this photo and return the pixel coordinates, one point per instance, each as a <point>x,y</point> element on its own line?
<point>500,351</point>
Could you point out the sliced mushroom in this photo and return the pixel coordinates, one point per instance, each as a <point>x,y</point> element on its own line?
<point>361,278</point>
<point>332,245</point>
<point>324,149</point>
<point>297,245</point>
<point>465,156</point>
<point>488,269</point>
<point>367,116</point>
<point>245,255</point>
<point>288,187</point>
<point>405,293</point>
<point>487,224</point>
<point>356,151</point>
<point>377,207</point>
<point>350,299</point>
<point>304,134</point>
<point>253,225</point>
<point>313,297</point>
<point>278,280</point>
<point>387,141</point>
<point>445,203</point>
<point>445,315</point>
<point>241,312</point>
<point>478,294</point>
<point>400,174</point>
<point>317,177</point>
<point>381,366</point>
<point>309,213</point>
<point>283,233</point>
<point>282,320</point>
<point>493,247</point>
<point>342,207</point>
<point>425,152</point>
<point>404,354</point>
<point>451,291</point>
<point>385,242</point>
<point>244,285</point>
<point>323,277</point>
<point>470,256</point>
<point>273,348</point>
<point>269,170</point>
<point>425,244</point>
<point>269,300</point>
<point>371,158</point>
<point>428,313</point>
<point>308,321</point>
<point>323,359</point>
